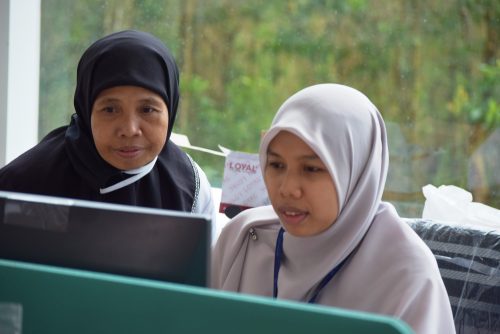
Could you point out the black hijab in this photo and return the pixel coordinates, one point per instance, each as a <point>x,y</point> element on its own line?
<point>66,162</point>
<point>124,58</point>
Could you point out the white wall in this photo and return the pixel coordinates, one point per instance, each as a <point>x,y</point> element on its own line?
<point>19,76</point>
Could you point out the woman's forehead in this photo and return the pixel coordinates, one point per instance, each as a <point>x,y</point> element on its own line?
<point>289,146</point>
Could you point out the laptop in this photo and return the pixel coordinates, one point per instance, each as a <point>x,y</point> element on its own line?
<point>37,298</point>
<point>156,244</point>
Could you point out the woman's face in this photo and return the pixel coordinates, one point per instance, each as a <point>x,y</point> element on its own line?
<point>129,126</point>
<point>299,185</point>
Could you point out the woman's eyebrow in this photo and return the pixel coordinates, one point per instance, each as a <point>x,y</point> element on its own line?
<point>308,157</point>
<point>151,100</point>
<point>110,99</point>
<point>271,152</point>
<point>106,100</point>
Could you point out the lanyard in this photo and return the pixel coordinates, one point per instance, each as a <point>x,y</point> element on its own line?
<point>137,173</point>
<point>277,263</point>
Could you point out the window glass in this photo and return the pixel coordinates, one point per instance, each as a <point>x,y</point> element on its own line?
<point>432,68</point>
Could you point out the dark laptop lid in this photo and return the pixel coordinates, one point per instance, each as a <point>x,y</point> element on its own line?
<point>126,240</point>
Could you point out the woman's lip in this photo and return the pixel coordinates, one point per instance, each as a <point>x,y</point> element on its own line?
<point>292,216</point>
<point>128,152</point>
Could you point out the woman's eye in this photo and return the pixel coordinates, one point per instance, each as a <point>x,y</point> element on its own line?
<point>108,109</point>
<point>148,110</point>
<point>312,169</point>
<point>275,165</point>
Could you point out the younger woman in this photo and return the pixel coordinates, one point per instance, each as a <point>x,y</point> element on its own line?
<point>328,238</point>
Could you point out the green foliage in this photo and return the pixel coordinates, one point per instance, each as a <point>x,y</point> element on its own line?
<point>432,68</point>
<point>478,102</point>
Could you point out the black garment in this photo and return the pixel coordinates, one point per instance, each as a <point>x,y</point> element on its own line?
<point>47,170</point>
<point>66,162</point>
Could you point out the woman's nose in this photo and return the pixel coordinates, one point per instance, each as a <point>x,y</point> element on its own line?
<point>129,125</point>
<point>290,186</point>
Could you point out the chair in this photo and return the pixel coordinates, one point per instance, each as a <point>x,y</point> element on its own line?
<point>469,262</point>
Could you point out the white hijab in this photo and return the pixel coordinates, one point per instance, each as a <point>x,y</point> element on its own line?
<point>347,133</point>
<point>390,271</point>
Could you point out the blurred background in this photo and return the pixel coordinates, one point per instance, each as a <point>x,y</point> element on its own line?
<point>431,67</point>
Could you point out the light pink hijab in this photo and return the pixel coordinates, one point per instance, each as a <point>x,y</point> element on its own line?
<point>391,271</point>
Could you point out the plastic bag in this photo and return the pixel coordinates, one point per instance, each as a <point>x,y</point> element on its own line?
<point>454,205</point>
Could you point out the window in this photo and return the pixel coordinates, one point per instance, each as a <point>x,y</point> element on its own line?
<point>432,68</point>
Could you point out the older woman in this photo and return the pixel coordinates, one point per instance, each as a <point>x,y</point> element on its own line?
<point>116,148</point>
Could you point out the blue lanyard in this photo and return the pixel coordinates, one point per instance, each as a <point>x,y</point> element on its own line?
<point>277,263</point>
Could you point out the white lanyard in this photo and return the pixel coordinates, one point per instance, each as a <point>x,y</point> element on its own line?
<point>138,174</point>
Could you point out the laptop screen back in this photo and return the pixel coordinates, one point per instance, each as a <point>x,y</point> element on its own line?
<point>142,242</point>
